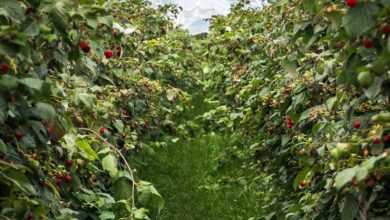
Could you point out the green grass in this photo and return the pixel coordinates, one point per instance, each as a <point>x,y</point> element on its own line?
<point>186,175</point>
<point>180,172</point>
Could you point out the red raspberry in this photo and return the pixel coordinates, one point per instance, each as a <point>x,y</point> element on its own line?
<point>102,130</point>
<point>5,68</point>
<point>84,46</point>
<point>377,140</point>
<point>69,163</point>
<point>290,123</point>
<point>351,3</point>
<point>68,178</point>
<point>108,54</point>
<point>368,43</point>
<point>385,28</point>
<point>58,180</point>
<point>357,124</point>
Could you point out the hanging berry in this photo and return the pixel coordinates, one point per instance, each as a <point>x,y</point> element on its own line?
<point>385,28</point>
<point>4,68</point>
<point>368,43</point>
<point>102,130</point>
<point>377,140</point>
<point>357,124</point>
<point>290,123</point>
<point>84,46</point>
<point>108,54</point>
<point>352,3</point>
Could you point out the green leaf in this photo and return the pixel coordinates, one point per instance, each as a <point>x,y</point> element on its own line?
<point>366,167</point>
<point>58,17</point>
<point>17,178</point>
<point>106,215</point>
<point>122,189</point>
<point>8,83</point>
<point>118,124</point>
<point>374,89</point>
<point>3,147</point>
<point>110,164</point>
<point>331,103</point>
<point>345,177</point>
<point>107,20</point>
<point>360,19</point>
<point>45,111</point>
<point>69,143</point>
<point>32,29</point>
<point>12,10</point>
<point>85,99</point>
<point>32,83</point>
<point>385,3</point>
<point>86,149</point>
<point>149,196</point>
<point>311,6</point>
<point>350,208</point>
<point>141,214</point>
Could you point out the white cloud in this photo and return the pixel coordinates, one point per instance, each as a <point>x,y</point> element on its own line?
<point>195,11</point>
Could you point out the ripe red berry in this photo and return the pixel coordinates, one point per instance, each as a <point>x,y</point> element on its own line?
<point>385,28</point>
<point>351,3</point>
<point>69,163</point>
<point>386,139</point>
<point>84,46</point>
<point>5,68</point>
<point>68,178</point>
<point>58,180</point>
<point>357,124</point>
<point>108,54</point>
<point>377,140</point>
<point>368,43</point>
<point>290,123</point>
<point>102,130</point>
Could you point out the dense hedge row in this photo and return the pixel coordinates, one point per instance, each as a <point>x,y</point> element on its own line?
<point>84,86</point>
<point>303,88</point>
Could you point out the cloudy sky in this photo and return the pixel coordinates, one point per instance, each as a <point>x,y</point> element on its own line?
<point>194,11</point>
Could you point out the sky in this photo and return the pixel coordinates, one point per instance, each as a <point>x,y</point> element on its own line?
<point>195,11</point>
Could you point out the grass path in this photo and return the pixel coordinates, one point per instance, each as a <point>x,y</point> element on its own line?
<point>186,175</point>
